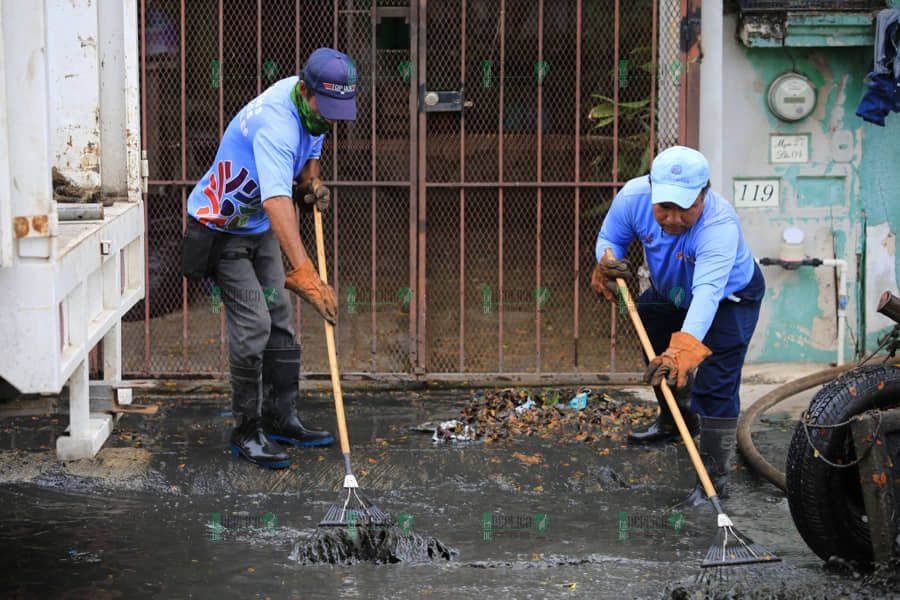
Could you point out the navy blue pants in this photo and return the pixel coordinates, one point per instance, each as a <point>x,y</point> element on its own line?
<point>716,388</point>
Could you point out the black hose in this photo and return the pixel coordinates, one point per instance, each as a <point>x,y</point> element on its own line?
<point>745,442</point>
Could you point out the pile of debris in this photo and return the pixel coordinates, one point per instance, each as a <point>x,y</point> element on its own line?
<point>369,544</point>
<point>509,413</point>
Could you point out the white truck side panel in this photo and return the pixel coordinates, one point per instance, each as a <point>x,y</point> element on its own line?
<point>6,231</point>
<point>132,83</point>
<point>120,104</point>
<point>69,99</point>
<point>74,75</point>
<point>114,166</point>
<point>25,53</point>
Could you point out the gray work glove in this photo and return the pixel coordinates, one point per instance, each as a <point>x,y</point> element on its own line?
<point>603,279</point>
<point>314,193</point>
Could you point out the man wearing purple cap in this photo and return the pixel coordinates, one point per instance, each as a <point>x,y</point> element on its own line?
<point>703,302</point>
<point>242,217</point>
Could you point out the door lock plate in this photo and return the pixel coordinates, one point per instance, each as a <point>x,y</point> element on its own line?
<point>442,100</point>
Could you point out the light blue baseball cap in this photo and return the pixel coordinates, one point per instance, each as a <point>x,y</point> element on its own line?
<point>677,175</point>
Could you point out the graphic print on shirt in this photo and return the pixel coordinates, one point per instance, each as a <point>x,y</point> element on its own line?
<point>229,198</point>
<point>252,109</point>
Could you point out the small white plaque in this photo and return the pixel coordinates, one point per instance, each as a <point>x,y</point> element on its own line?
<point>789,148</point>
<point>756,193</point>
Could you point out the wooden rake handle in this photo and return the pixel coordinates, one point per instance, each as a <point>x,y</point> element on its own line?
<point>329,340</point>
<point>664,386</point>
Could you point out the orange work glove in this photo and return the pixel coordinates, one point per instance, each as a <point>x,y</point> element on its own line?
<point>603,279</point>
<point>305,282</point>
<point>680,360</point>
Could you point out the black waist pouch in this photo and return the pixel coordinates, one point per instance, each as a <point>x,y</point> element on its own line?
<point>201,249</point>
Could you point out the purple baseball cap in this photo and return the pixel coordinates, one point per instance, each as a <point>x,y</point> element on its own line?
<point>677,175</point>
<point>331,75</point>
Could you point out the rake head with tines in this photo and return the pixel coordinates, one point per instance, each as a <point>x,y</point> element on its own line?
<point>353,509</point>
<point>732,547</point>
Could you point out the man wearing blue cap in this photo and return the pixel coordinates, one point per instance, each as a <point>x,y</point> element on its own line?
<point>703,303</point>
<point>242,218</point>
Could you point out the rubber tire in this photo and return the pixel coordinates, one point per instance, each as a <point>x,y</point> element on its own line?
<point>826,503</point>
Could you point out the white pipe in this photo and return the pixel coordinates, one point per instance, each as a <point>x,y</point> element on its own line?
<point>841,266</point>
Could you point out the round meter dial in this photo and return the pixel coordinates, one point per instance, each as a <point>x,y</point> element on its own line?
<point>792,97</point>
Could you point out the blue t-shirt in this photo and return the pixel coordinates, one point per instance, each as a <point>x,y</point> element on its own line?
<point>695,269</point>
<point>264,148</point>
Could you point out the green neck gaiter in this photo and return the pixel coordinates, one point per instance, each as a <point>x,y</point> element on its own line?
<point>313,122</point>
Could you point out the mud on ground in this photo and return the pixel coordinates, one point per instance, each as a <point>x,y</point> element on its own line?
<point>165,511</point>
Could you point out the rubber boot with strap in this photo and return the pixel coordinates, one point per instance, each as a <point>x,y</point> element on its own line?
<point>717,442</point>
<point>249,440</point>
<point>663,429</point>
<point>281,375</point>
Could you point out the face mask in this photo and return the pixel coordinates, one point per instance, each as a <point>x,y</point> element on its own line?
<point>313,122</point>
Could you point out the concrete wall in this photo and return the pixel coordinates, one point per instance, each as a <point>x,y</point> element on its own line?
<point>845,198</point>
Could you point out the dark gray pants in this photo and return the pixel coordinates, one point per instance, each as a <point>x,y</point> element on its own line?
<point>250,275</point>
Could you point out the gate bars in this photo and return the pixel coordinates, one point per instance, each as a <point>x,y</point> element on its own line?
<point>462,241</point>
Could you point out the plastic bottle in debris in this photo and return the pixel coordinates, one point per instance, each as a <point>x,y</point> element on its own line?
<point>579,400</point>
<point>525,406</point>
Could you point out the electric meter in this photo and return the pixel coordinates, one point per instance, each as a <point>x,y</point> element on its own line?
<point>792,97</point>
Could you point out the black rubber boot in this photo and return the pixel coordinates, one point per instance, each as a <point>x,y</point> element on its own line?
<point>663,429</point>
<point>281,375</point>
<point>248,438</point>
<point>717,442</point>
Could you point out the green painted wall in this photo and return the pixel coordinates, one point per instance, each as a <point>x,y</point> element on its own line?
<point>848,193</point>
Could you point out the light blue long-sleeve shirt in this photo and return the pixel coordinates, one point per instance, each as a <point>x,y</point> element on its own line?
<point>695,269</point>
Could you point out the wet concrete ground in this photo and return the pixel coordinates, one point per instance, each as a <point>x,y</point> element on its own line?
<point>165,511</point>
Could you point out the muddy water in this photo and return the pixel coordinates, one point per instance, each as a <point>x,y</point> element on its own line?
<point>164,511</point>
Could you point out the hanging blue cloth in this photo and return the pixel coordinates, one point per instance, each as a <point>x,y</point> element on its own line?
<point>883,83</point>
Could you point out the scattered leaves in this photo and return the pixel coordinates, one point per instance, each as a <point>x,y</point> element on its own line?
<point>496,415</point>
<point>526,459</point>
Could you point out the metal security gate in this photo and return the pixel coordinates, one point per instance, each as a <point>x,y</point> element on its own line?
<point>491,138</point>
